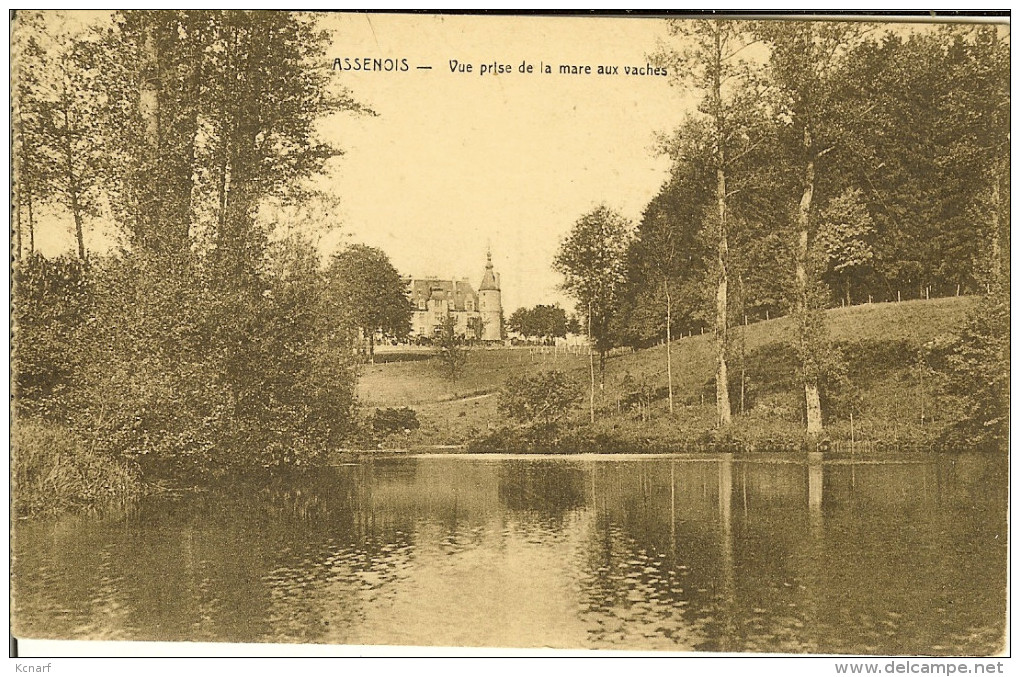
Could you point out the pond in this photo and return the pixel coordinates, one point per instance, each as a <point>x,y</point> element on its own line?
<point>726,553</point>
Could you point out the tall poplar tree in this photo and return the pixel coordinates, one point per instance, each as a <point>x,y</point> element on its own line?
<point>804,60</point>
<point>708,59</point>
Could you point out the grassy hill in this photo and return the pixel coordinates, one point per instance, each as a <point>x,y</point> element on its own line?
<point>875,346</point>
<point>420,381</point>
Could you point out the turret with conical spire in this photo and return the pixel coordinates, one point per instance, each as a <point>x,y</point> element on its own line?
<point>489,280</point>
<point>490,304</point>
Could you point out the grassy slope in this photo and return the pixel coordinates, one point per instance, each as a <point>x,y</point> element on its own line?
<point>416,382</point>
<point>452,412</point>
<point>693,357</point>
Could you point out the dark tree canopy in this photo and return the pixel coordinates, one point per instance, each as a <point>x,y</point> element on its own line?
<point>365,287</point>
<point>541,321</point>
<point>592,261</point>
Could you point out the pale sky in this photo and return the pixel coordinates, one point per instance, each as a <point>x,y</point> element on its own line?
<point>456,161</point>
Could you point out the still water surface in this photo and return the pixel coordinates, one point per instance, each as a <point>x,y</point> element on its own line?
<point>727,553</point>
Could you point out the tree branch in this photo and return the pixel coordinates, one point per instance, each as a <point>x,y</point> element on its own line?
<point>827,150</point>
<point>747,150</point>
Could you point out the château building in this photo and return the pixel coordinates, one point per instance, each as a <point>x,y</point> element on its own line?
<point>477,315</point>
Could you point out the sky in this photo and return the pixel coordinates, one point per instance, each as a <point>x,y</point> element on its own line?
<point>454,163</point>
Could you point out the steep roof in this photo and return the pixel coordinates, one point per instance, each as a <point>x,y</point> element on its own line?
<point>489,282</point>
<point>457,292</point>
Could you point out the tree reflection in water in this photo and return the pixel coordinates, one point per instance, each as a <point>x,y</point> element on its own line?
<point>721,553</point>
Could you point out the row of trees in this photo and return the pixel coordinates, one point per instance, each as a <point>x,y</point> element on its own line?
<point>543,322</point>
<point>827,162</point>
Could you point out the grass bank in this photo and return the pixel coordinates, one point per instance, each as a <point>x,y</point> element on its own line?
<point>454,411</point>
<point>422,381</point>
<point>881,385</point>
<point>51,473</point>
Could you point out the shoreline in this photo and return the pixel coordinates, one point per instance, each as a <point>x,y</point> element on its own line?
<point>779,458</point>
<point>653,451</point>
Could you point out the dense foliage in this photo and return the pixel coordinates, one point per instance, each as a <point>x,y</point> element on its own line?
<point>828,163</point>
<point>363,281</point>
<point>909,142</point>
<point>542,397</point>
<point>973,371</point>
<point>394,420</point>
<point>54,303</point>
<point>541,321</point>
<point>206,344</point>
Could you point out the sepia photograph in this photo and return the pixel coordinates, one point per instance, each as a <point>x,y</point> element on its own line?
<point>433,332</point>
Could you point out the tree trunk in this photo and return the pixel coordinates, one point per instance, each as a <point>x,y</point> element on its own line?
<point>371,347</point>
<point>73,189</point>
<point>722,391</point>
<point>17,221</point>
<point>743,352</point>
<point>813,406</point>
<point>669,340</point>
<point>145,179</point>
<point>996,246</point>
<point>31,224</point>
<point>190,132</point>
<point>602,370</point>
<point>148,94</point>
<point>1002,127</point>
<point>18,172</point>
<point>224,155</point>
<point>78,234</point>
<point>814,409</point>
<point>591,367</point>
<point>223,184</point>
<point>24,192</point>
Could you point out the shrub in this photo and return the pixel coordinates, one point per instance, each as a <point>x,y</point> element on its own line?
<point>388,421</point>
<point>502,439</point>
<point>542,397</point>
<point>540,438</point>
<point>180,371</point>
<point>52,303</point>
<point>973,366</point>
<point>772,366</point>
<point>870,359</point>
<point>187,374</point>
<point>640,392</point>
<point>451,353</point>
